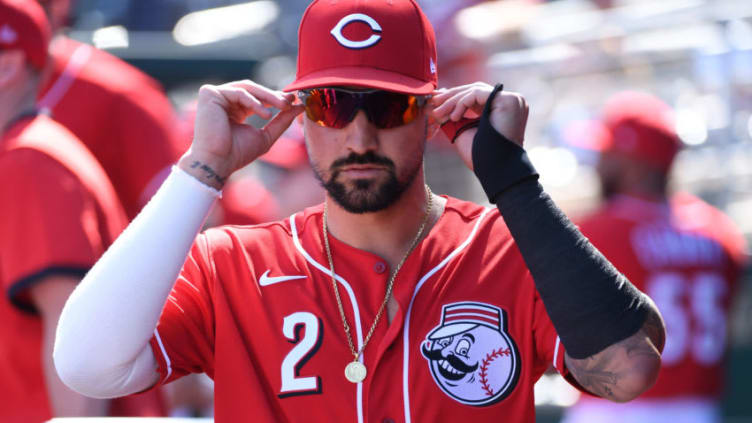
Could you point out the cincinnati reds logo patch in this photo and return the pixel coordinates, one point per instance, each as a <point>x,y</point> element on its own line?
<point>357,17</point>
<point>471,356</point>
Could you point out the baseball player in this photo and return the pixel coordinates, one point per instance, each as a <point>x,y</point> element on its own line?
<point>384,303</point>
<point>679,250</point>
<point>59,213</point>
<point>121,114</point>
<point>286,172</point>
<point>124,118</point>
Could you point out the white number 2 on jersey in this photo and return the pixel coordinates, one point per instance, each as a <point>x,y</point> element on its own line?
<point>705,292</point>
<point>292,382</point>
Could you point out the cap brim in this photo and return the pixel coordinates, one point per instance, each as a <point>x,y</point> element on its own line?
<point>356,76</point>
<point>450,330</point>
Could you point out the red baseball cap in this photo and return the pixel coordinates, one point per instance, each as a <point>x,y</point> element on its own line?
<point>383,44</point>
<point>637,125</point>
<point>24,26</point>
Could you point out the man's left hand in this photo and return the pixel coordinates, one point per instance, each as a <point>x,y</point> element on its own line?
<point>509,113</point>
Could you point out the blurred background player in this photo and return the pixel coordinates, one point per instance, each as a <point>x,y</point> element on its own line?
<point>287,174</point>
<point>124,118</point>
<point>280,183</point>
<point>121,114</point>
<point>59,213</point>
<point>678,249</point>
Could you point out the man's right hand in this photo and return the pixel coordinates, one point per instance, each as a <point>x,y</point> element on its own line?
<point>222,142</point>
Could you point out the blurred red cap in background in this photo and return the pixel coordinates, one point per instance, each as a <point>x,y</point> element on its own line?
<point>24,26</point>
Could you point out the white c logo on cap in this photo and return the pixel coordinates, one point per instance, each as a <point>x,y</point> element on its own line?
<point>355,17</point>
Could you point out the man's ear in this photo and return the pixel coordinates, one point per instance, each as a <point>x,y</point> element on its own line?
<point>12,67</point>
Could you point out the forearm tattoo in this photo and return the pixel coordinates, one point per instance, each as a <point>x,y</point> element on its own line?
<point>210,174</point>
<point>607,373</point>
<point>594,375</point>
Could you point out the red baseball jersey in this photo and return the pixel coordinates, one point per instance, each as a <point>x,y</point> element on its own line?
<point>254,308</point>
<point>59,214</point>
<point>687,256</point>
<point>119,113</point>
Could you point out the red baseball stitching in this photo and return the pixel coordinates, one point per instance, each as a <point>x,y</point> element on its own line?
<point>493,355</point>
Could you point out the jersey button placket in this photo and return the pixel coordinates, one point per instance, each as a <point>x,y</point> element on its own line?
<point>379,267</point>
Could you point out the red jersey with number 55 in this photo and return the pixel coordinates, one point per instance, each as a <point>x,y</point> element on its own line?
<point>687,256</point>
<point>254,308</point>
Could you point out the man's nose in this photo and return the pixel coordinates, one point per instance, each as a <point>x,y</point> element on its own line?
<point>362,135</point>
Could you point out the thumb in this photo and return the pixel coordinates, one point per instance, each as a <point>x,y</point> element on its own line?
<point>279,123</point>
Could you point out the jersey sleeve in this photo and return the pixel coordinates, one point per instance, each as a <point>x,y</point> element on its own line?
<point>183,341</point>
<point>547,342</point>
<point>49,224</point>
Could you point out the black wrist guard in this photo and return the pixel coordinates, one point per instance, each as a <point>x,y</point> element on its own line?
<point>498,162</point>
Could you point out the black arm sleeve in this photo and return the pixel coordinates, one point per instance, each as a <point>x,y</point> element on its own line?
<point>590,303</point>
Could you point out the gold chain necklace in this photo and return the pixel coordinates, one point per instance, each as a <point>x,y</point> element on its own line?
<point>355,371</point>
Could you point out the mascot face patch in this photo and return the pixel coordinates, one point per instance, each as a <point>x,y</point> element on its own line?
<point>471,356</point>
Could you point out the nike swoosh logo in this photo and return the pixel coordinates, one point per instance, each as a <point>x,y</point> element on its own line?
<point>266,280</point>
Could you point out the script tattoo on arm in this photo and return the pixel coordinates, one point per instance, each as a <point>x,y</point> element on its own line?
<point>625,369</point>
<point>209,173</point>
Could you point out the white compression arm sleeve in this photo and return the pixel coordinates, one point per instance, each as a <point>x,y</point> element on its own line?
<point>102,343</point>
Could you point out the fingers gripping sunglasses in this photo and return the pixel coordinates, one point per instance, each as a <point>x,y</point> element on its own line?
<point>337,107</point>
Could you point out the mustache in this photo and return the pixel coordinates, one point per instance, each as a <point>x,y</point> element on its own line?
<point>435,355</point>
<point>367,158</point>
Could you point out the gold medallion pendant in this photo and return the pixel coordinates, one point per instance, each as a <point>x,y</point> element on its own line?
<point>355,372</point>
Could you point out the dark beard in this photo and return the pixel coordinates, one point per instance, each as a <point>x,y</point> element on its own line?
<point>365,197</point>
